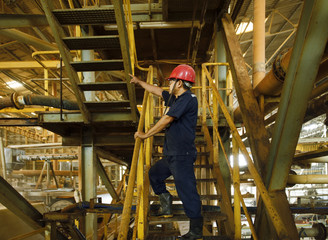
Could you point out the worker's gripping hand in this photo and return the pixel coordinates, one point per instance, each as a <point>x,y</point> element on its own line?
<point>134,79</point>
<point>140,135</point>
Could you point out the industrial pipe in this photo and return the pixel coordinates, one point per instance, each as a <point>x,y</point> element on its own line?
<point>19,101</point>
<point>46,157</point>
<point>38,172</point>
<point>297,179</point>
<point>259,42</point>
<point>272,83</point>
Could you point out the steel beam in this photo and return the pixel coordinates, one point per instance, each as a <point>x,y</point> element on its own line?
<point>120,20</point>
<point>309,45</point>
<point>104,177</point>
<point>89,178</point>
<point>252,117</point>
<point>308,49</point>
<point>109,156</point>
<point>28,64</point>
<point>16,203</point>
<point>28,39</point>
<point>22,20</point>
<point>76,117</point>
<point>5,122</point>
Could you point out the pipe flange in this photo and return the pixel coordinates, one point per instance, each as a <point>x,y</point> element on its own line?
<point>322,231</point>
<point>277,69</point>
<point>16,103</point>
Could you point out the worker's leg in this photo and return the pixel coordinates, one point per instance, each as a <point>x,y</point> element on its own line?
<point>185,182</point>
<point>157,175</point>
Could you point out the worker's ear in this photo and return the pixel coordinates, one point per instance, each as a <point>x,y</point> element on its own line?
<point>180,83</point>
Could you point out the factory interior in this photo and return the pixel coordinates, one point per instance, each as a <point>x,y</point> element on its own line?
<point>70,166</point>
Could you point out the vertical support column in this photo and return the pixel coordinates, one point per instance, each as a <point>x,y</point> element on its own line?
<point>3,160</point>
<point>89,179</point>
<point>237,212</point>
<point>140,186</point>
<point>222,83</point>
<point>259,42</point>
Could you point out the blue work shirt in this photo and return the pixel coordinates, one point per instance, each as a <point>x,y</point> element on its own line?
<point>180,134</point>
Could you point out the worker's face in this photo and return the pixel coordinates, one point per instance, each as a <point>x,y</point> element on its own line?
<point>172,85</point>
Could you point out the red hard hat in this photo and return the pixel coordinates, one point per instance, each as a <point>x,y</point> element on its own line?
<point>183,72</point>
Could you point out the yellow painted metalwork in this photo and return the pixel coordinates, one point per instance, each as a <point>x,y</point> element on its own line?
<point>236,180</point>
<point>26,235</point>
<point>125,220</point>
<point>140,219</point>
<point>28,64</point>
<point>235,185</point>
<point>24,110</point>
<point>272,211</point>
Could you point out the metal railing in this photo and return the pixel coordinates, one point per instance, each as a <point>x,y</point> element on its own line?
<point>272,211</point>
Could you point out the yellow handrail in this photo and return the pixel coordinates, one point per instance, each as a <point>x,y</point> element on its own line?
<point>236,185</point>
<point>133,169</point>
<point>272,211</point>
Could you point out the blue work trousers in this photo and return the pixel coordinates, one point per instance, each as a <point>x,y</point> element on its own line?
<point>182,169</point>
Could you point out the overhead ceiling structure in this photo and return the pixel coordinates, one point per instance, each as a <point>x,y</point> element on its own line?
<point>65,65</point>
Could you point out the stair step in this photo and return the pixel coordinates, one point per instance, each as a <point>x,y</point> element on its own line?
<point>204,180</point>
<point>107,106</point>
<point>199,154</point>
<point>160,142</point>
<point>85,16</point>
<point>158,236</point>
<point>208,216</point>
<point>203,166</point>
<point>93,42</point>
<point>102,86</point>
<point>202,197</point>
<point>104,65</point>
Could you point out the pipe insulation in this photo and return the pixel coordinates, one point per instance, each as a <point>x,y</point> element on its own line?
<point>19,101</point>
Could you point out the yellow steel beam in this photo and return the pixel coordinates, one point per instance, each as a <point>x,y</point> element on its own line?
<point>24,110</point>
<point>125,220</point>
<point>28,64</point>
<point>272,211</point>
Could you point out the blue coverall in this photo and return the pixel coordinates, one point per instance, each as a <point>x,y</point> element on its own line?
<point>179,153</point>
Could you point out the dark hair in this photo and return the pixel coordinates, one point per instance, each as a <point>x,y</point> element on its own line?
<point>186,85</point>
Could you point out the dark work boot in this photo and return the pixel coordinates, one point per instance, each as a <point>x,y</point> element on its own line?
<point>166,205</point>
<point>195,230</point>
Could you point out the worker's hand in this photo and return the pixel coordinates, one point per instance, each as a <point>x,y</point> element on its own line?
<point>134,79</point>
<point>140,135</point>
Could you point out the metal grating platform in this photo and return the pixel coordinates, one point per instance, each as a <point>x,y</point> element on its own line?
<point>85,16</point>
<point>106,106</point>
<point>102,86</point>
<point>104,65</point>
<point>93,42</point>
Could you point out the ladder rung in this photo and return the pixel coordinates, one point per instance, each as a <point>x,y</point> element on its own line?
<point>92,66</point>
<point>102,86</point>
<point>85,16</point>
<point>204,180</point>
<point>93,42</point>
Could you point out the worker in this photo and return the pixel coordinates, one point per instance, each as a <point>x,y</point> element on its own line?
<point>179,147</point>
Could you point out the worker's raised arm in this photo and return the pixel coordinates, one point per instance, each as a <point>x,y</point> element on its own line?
<point>148,87</point>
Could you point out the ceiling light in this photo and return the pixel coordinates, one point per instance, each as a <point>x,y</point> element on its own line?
<point>14,84</point>
<point>244,27</point>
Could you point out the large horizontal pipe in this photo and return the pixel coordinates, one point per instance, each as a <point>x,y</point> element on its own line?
<point>297,179</point>
<point>38,172</point>
<point>19,102</point>
<point>46,157</point>
<point>272,83</point>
